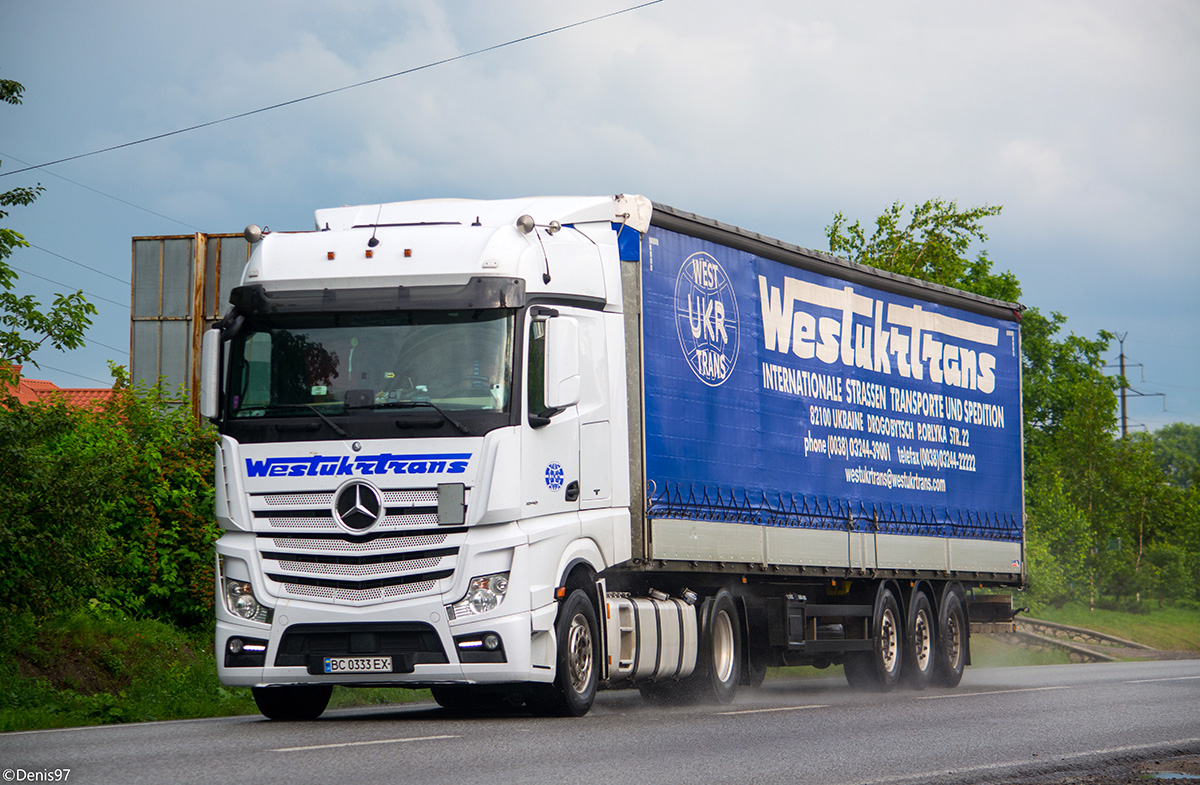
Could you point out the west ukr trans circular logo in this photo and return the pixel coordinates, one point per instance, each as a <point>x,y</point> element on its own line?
<point>554,476</point>
<point>706,318</point>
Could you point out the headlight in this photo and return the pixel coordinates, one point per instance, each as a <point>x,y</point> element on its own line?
<point>484,594</point>
<point>239,599</point>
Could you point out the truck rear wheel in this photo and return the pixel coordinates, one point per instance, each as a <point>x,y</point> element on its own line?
<point>879,669</point>
<point>950,653</point>
<point>919,643</point>
<point>296,702</point>
<point>576,676</point>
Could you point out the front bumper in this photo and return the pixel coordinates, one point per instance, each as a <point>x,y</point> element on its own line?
<point>423,644</point>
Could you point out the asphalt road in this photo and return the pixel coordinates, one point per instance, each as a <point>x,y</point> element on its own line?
<point>1000,725</point>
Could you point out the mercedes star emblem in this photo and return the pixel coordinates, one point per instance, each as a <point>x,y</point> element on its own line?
<point>358,505</point>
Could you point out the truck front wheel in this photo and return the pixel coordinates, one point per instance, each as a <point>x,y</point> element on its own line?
<point>293,702</point>
<point>576,677</point>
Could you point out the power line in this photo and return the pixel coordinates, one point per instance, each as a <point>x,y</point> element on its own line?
<point>71,373</point>
<point>90,341</point>
<point>81,264</point>
<point>60,283</point>
<point>282,104</point>
<point>102,193</point>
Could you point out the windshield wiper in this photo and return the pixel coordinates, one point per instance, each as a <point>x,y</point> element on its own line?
<point>413,404</point>
<point>339,430</point>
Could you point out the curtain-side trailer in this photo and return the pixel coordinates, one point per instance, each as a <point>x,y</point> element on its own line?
<point>520,450</point>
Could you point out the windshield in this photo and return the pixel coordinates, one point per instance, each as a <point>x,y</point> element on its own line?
<point>372,363</point>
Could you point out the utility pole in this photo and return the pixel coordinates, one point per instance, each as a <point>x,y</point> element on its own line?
<point>1127,390</point>
<point>1124,387</point>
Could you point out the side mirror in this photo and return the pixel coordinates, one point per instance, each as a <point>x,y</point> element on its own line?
<point>562,363</point>
<point>210,374</point>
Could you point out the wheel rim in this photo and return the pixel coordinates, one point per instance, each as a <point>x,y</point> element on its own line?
<point>923,640</point>
<point>722,647</point>
<point>579,653</point>
<point>889,642</point>
<point>953,641</point>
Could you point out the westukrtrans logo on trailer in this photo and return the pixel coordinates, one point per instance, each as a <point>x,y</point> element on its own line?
<point>706,318</point>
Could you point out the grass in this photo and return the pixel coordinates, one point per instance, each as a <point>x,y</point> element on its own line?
<point>1169,628</point>
<point>88,669</point>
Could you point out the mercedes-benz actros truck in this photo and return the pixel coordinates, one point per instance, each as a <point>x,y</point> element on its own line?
<point>518,451</point>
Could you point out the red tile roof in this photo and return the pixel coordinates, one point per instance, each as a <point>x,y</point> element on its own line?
<point>30,390</point>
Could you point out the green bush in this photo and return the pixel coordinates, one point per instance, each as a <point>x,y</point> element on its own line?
<point>110,507</point>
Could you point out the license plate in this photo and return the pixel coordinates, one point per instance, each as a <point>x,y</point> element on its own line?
<point>357,665</point>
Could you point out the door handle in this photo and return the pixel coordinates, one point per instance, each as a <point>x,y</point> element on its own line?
<point>573,491</point>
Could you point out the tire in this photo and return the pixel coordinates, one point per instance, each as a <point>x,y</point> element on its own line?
<point>755,673</point>
<point>859,670</point>
<point>920,647</point>
<point>719,669</point>
<point>950,656</point>
<point>299,702</point>
<point>577,673</point>
<point>463,697</point>
<point>879,669</point>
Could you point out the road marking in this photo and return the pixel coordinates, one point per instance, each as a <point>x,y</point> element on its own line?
<point>1040,761</point>
<point>361,743</point>
<point>988,692</point>
<point>766,711</point>
<point>1172,678</point>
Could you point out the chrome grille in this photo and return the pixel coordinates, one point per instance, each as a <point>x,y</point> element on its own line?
<point>358,595</point>
<point>305,553</point>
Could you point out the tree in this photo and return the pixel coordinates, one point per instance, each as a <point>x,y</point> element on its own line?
<point>932,246</point>
<point>1177,448</point>
<point>24,326</point>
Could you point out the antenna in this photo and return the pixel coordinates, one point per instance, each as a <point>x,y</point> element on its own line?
<point>374,241</point>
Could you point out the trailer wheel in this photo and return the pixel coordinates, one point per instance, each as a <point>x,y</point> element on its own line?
<point>297,702</point>
<point>919,641</point>
<point>880,668</point>
<point>576,676</point>
<point>719,670</point>
<point>951,650</point>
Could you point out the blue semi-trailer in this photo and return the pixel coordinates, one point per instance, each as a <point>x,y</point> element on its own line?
<point>517,451</point>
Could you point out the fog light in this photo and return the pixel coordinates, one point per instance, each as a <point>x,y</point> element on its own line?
<point>479,648</point>
<point>245,653</point>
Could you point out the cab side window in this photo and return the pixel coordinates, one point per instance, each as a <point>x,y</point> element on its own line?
<point>537,367</point>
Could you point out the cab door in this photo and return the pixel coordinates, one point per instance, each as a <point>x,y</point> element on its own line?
<point>550,427</point>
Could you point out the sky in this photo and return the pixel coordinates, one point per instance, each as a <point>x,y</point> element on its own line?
<point>1082,119</point>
